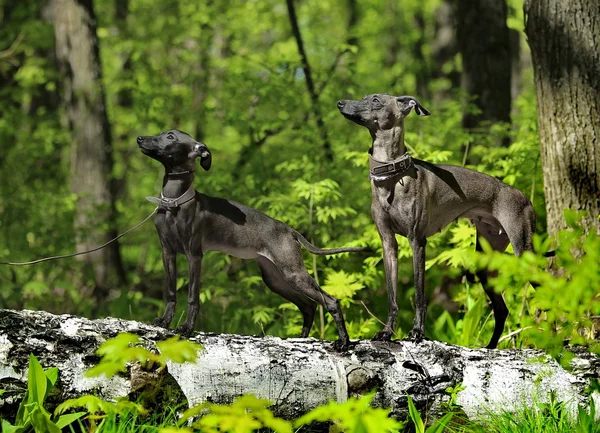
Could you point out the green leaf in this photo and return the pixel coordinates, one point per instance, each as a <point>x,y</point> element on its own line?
<point>440,424</point>
<point>22,412</point>
<point>91,403</point>
<point>36,381</point>
<point>9,428</point>
<point>360,427</point>
<point>415,416</point>
<point>348,416</point>
<point>40,419</point>
<point>64,420</point>
<point>51,378</point>
<point>179,351</point>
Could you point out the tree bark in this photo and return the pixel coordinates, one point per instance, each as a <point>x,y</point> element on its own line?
<point>564,38</point>
<point>422,70</point>
<point>297,375</point>
<point>310,85</point>
<point>91,159</point>
<point>483,40</point>
<point>444,49</point>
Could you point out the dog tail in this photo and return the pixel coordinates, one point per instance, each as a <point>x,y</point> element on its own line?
<point>318,251</point>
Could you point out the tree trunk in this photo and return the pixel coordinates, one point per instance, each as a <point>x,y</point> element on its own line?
<point>310,85</point>
<point>483,40</point>
<point>444,49</point>
<point>91,159</point>
<point>125,95</point>
<point>297,375</point>
<point>564,38</point>
<point>422,70</point>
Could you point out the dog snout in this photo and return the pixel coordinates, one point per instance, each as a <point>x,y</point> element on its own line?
<point>140,139</point>
<point>340,104</point>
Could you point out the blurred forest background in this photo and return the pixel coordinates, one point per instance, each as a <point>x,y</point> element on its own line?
<point>258,81</point>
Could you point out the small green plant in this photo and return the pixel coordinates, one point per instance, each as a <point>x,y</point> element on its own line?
<point>31,414</point>
<point>99,412</point>
<point>245,415</point>
<point>117,352</point>
<point>355,415</point>
<point>553,416</point>
<point>438,426</point>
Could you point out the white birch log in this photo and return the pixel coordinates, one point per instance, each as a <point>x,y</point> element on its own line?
<point>295,374</point>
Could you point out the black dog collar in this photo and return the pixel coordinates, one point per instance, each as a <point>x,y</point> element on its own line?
<point>176,174</point>
<point>173,203</point>
<point>379,170</point>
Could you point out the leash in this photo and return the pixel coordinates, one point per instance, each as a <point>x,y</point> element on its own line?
<point>46,259</point>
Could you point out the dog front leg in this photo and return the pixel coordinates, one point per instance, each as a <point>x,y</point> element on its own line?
<point>418,247</point>
<point>187,327</point>
<point>170,264</point>
<point>390,264</point>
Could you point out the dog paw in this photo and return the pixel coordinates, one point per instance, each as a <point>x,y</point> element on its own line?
<point>383,335</point>
<point>341,346</point>
<point>185,331</point>
<point>415,335</point>
<point>160,322</point>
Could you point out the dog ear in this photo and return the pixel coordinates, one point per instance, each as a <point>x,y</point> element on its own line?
<point>412,102</point>
<point>201,150</point>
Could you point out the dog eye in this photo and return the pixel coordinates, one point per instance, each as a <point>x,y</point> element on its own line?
<point>170,136</point>
<point>375,101</point>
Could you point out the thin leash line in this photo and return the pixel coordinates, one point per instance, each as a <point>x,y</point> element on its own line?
<point>46,259</point>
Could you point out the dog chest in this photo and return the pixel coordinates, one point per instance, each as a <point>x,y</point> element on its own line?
<point>396,207</point>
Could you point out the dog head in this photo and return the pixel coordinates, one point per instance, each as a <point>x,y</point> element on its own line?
<point>380,111</point>
<point>175,150</point>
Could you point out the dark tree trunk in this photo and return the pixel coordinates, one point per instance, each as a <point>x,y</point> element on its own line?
<point>394,36</point>
<point>444,49</point>
<point>483,40</point>
<point>201,83</point>
<point>125,96</point>
<point>310,85</point>
<point>91,159</point>
<point>564,38</point>
<point>423,74</point>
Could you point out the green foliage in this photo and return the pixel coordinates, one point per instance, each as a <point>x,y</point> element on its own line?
<point>31,415</point>
<point>355,416</point>
<point>554,417</point>
<point>125,348</point>
<point>548,316</point>
<point>439,426</point>
<point>245,415</point>
<point>96,406</point>
<point>132,421</point>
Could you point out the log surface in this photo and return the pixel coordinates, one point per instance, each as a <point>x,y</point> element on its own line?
<point>297,375</point>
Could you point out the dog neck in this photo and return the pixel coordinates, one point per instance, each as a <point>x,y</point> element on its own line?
<point>175,183</point>
<point>388,145</point>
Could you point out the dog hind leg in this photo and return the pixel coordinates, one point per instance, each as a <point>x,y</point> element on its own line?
<point>498,241</point>
<point>277,284</point>
<point>293,272</point>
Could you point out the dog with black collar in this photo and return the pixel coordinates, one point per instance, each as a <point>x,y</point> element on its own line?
<point>416,199</point>
<point>192,223</point>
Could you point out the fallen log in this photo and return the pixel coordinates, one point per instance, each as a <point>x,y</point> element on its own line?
<point>297,375</point>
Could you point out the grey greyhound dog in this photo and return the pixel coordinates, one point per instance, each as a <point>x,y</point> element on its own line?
<point>192,223</point>
<point>416,199</point>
